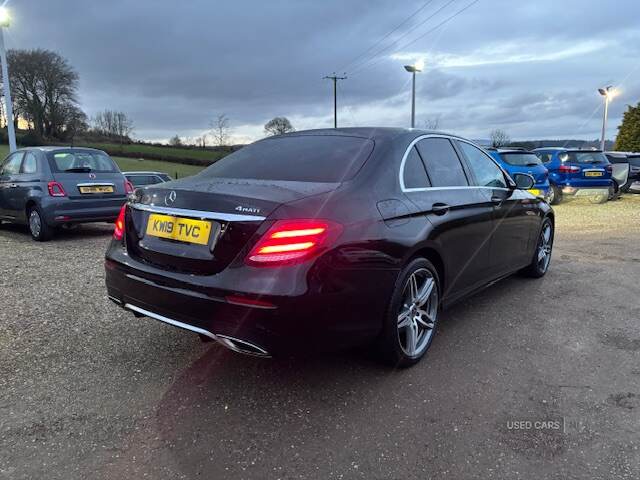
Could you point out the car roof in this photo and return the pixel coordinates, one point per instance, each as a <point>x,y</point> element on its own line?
<point>367,132</point>
<point>565,149</point>
<point>49,148</point>
<point>144,172</point>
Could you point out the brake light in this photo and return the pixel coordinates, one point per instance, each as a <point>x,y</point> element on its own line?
<point>56,190</point>
<point>118,231</point>
<point>568,169</point>
<point>128,187</point>
<point>293,241</point>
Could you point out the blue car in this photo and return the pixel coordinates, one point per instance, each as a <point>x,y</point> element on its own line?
<point>516,160</point>
<point>574,172</point>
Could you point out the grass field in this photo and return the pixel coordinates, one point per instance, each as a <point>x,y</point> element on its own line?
<point>159,152</point>
<point>174,169</point>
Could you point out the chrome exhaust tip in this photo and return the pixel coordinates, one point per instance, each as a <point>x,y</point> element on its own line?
<point>236,344</point>
<point>242,346</point>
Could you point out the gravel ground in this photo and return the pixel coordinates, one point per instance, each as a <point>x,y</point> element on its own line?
<point>88,391</point>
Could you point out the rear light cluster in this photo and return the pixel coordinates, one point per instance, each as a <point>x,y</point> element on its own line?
<point>293,241</point>
<point>118,231</point>
<point>128,187</point>
<point>568,169</point>
<point>56,190</point>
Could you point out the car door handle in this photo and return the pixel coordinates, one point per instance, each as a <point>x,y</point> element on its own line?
<point>13,185</point>
<point>440,208</point>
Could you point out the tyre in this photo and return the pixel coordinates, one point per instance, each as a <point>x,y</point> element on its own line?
<point>412,316</point>
<point>542,255</point>
<point>38,228</point>
<point>555,195</point>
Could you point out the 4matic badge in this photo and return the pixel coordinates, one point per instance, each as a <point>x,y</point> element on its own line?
<point>242,209</point>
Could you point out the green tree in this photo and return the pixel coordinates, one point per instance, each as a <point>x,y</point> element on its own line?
<point>628,139</point>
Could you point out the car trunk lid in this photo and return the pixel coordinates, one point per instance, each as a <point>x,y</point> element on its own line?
<point>201,225</point>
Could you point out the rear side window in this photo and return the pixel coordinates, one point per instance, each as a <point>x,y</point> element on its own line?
<point>81,161</point>
<point>414,174</point>
<point>487,173</point>
<point>300,158</point>
<point>442,162</point>
<point>11,165</point>
<point>521,159</point>
<point>29,164</point>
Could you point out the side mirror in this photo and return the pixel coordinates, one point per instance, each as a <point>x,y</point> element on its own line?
<point>524,181</point>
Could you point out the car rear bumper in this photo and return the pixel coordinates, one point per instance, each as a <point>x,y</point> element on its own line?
<point>58,211</point>
<point>310,319</point>
<point>585,191</point>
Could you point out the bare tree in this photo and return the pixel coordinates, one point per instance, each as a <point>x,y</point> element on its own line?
<point>278,126</point>
<point>175,141</point>
<point>220,130</point>
<point>45,90</point>
<point>499,138</point>
<point>112,123</point>
<point>431,123</point>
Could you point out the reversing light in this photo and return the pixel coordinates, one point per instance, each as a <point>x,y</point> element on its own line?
<point>56,190</point>
<point>293,241</point>
<point>118,231</point>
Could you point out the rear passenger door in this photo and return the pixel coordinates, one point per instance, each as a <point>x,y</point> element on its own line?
<point>9,173</point>
<point>459,213</point>
<point>513,211</point>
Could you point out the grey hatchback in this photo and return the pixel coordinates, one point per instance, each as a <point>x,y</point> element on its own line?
<point>48,187</point>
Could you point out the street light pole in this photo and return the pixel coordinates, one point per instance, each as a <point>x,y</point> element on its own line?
<point>335,79</point>
<point>5,20</point>
<point>413,69</point>
<point>607,93</point>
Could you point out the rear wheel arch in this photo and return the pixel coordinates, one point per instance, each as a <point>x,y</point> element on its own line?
<point>435,258</point>
<point>31,203</point>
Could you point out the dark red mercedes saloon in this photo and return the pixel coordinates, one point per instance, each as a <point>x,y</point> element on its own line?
<point>327,239</point>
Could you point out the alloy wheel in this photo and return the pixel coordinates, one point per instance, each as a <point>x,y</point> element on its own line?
<point>545,245</point>
<point>35,223</point>
<point>418,312</point>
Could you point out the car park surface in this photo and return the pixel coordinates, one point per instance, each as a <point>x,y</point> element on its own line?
<point>88,392</point>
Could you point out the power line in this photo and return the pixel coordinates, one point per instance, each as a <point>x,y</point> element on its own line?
<point>380,52</point>
<point>335,79</point>
<point>356,58</point>
<point>445,21</point>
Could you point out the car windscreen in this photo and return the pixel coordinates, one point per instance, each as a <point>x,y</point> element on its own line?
<point>521,159</point>
<point>585,157</point>
<point>299,158</point>
<point>81,161</point>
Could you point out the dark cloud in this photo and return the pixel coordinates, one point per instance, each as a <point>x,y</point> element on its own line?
<point>173,65</point>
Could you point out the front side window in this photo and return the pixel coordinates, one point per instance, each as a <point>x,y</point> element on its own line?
<point>414,174</point>
<point>487,173</point>
<point>141,180</point>
<point>442,162</point>
<point>12,164</point>
<point>29,164</point>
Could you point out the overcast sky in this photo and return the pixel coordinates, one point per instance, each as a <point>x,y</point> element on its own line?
<point>531,68</point>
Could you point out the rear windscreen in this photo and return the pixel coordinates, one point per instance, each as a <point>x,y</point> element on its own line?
<point>81,162</point>
<point>586,157</point>
<point>300,158</point>
<point>521,159</point>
